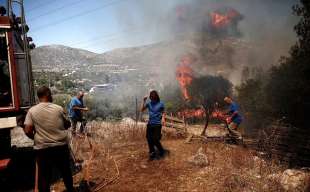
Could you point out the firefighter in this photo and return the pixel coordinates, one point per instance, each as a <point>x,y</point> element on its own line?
<point>153,131</point>
<point>47,125</point>
<point>76,109</point>
<point>234,119</point>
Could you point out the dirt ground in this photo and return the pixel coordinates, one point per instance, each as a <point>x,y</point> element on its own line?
<point>230,167</point>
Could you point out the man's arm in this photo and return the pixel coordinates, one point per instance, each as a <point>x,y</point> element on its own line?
<point>143,105</point>
<point>29,127</point>
<point>75,107</point>
<point>29,131</point>
<point>230,118</point>
<point>67,123</point>
<point>226,111</point>
<point>234,114</point>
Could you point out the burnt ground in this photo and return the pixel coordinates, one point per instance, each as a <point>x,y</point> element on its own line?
<point>230,167</point>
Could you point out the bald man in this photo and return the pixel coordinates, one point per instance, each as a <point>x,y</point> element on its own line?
<point>76,109</point>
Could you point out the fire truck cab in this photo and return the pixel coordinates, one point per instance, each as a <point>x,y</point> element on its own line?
<point>16,87</point>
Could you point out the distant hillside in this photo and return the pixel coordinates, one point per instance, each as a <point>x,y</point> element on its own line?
<point>159,60</point>
<point>59,57</point>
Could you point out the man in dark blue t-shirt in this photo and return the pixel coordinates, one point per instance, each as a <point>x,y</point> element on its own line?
<point>153,132</point>
<point>234,118</point>
<point>76,108</point>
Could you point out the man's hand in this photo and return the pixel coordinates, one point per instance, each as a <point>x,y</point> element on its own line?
<point>29,131</point>
<point>80,108</point>
<point>85,109</point>
<point>228,120</point>
<point>145,98</point>
<point>143,107</point>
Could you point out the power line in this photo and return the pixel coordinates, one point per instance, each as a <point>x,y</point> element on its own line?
<point>106,41</point>
<point>40,5</point>
<point>95,39</point>
<point>75,16</point>
<point>56,10</point>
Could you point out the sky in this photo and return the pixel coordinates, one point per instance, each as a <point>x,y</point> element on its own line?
<point>103,25</point>
<point>95,25</point>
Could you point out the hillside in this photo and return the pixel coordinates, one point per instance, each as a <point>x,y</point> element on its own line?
<point>213,56</point>
<point>59,57</point>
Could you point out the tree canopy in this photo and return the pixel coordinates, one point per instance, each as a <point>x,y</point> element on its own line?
<point>207,90</point>
<point>288,90</point>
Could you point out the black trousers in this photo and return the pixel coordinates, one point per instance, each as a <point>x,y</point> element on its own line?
<point>74,122</point>
<point>54,157</point>
<point>153,136</point>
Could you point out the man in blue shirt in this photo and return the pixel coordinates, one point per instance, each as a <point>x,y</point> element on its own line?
<point>153,132</point>
<point>234,119</point>
<point>76,109</point>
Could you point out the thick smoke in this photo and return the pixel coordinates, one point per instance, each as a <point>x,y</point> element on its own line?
<point>256,35</point>
<point>256,38</point>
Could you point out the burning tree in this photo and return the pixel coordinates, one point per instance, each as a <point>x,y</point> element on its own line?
<point>224,21</point>
<point>185,73</point>
<point>207,91</point>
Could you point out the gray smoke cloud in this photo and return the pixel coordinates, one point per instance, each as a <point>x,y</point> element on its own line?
<point>164,32</point>
<point>266,33</point>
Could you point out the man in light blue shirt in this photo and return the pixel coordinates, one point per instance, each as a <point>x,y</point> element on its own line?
<point>76,109</point>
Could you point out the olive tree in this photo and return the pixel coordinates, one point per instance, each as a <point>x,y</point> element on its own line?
<point>207,91</point>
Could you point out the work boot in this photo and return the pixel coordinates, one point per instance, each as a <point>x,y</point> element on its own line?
<point>239,140</point>
<point>164,153</point>
<point>152,156</point>
<point>230,140</point>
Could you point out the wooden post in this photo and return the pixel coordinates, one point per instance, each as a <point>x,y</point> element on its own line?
<point>137,115</point>
<point>171,121</point>
<point>185,128</point>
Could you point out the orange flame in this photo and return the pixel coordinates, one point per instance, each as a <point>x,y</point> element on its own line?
<point>184,74</point>
<point>219,20</point>
<point>222,20</point>
<point>190,113</point>
<point>185,78</point>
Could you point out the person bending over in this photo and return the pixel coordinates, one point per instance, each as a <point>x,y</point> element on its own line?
<point>234,119</point>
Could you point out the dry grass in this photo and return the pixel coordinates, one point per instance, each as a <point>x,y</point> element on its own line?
<point>231,168</point>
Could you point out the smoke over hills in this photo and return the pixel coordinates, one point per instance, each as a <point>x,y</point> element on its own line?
<point>264,27</point>
<point>224,36</point>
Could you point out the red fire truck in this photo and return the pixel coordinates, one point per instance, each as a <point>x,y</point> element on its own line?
<point>16,88</point>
